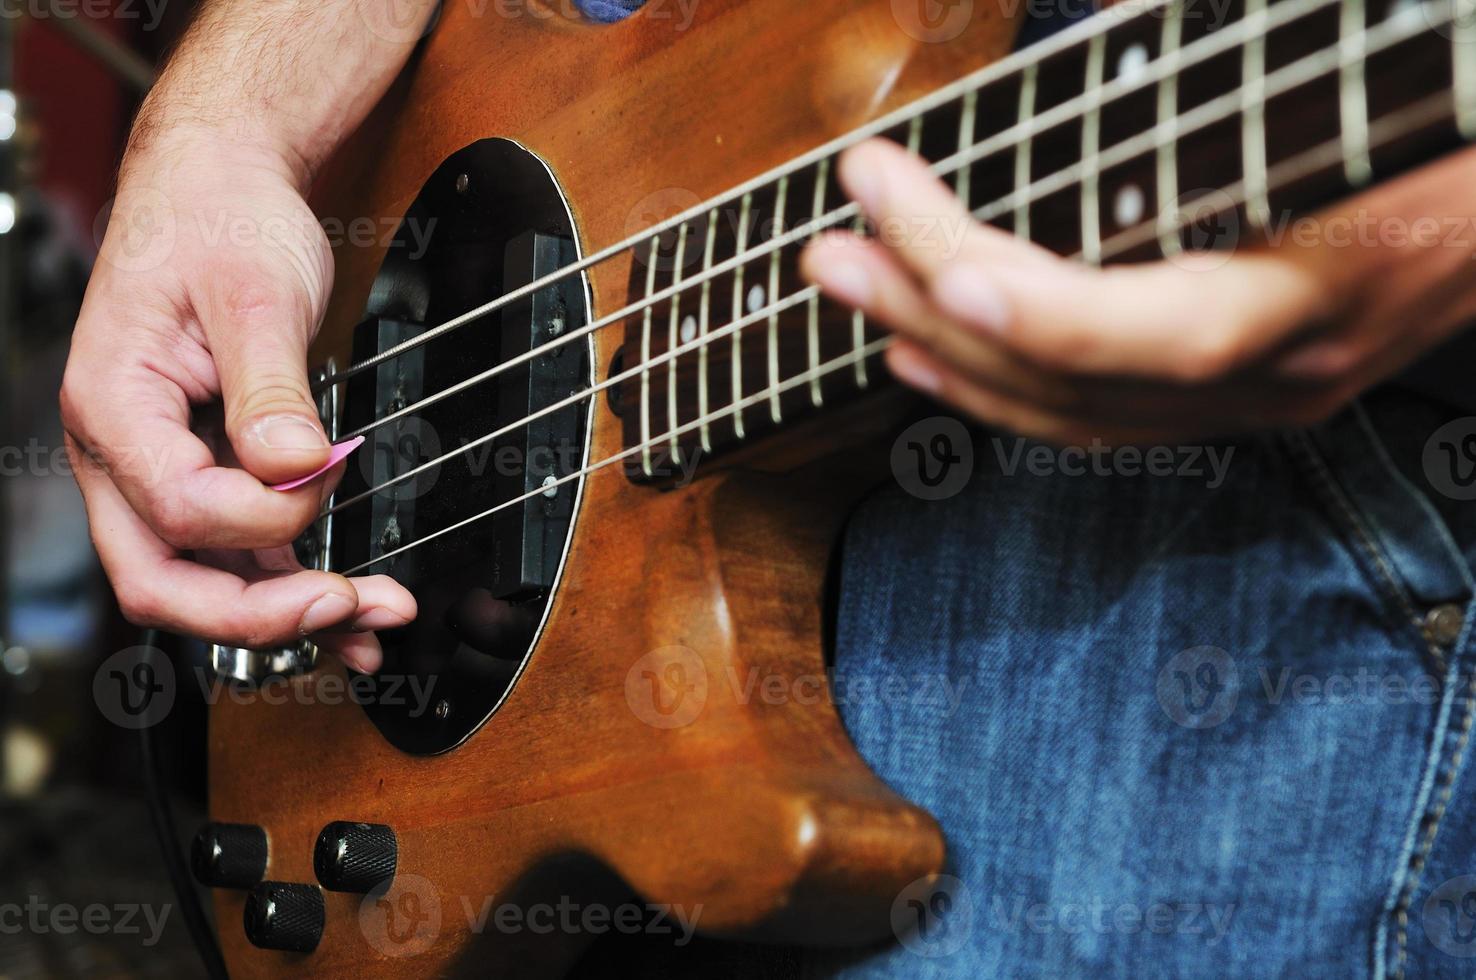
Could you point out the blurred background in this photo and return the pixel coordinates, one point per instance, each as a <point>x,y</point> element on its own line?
<point>83,889</point>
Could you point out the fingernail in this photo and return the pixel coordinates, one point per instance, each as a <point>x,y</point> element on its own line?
<point>379,618</point>
<point>968,296</point>
<point>846,282</point>
<point>290,432</point>
<point>328,610</point>
<point>916,372</point>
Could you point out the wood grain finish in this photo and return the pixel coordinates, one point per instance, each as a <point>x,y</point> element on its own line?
<point>758,811</point>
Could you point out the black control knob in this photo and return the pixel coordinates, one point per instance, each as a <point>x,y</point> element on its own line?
<point>285,916</point>
<point>354,857</point>
<point>229,855</point>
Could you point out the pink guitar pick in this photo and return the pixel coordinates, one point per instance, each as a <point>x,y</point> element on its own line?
<point>339,454</point>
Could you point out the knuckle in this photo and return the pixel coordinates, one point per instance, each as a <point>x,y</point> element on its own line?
<point>259,637</point>
<point>252,296</point>
<point>173,518</point>
<point>273,392</point>
<point>139,604</point>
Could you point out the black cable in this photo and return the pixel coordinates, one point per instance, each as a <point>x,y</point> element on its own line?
<point>165,830</point>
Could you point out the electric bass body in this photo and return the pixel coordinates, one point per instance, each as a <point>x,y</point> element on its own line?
<point>668,738</point>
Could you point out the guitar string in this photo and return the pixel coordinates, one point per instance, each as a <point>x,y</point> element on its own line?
<point>1156,70</point>
<point>1388,129</point>
<point>950,165</point>
<point>1197,119</point>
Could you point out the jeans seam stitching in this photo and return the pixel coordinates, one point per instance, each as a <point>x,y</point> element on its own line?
<point>1432,817</point>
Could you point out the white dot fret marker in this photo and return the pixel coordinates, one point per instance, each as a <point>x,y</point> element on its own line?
<point>756,299</point>
<point>1128,205</point>
<point>1132,62</point>
<point>689,329</point>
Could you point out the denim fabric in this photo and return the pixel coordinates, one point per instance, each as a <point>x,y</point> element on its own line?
<point>608,11</point>
<point>1172,729</point>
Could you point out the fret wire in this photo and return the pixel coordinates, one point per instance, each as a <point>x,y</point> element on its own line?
<point>672,339</point>
<point>1253,122</point>
<point>1463,66</point>
<point>1284,12</point>
<point>1022,149</point>
<point>745,215</point>
<point>646,360</point>
<point>968,117</point>
<point>1353,93</point>
<point>702,394</point>
<point>1091,139</point>
<point>817,207</point>
<point>915,134</point>
<point>781,204</point>
<point>837,363</point>
<point>1167,172</point>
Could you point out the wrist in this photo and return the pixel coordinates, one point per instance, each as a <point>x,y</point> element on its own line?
<point>166,146</point>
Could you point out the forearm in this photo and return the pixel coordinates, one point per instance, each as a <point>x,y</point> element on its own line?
<point>280,80</point>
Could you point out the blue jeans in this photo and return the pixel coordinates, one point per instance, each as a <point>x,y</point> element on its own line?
<point>1185,724</point>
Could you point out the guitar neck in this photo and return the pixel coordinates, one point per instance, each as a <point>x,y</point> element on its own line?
<point>1148,131</point>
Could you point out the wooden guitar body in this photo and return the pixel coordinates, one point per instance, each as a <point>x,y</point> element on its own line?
<point>672,732</point>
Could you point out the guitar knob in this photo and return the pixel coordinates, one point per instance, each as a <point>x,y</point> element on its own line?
<point>229,855</point>
<point>354,857</point>
<point>284,916</point>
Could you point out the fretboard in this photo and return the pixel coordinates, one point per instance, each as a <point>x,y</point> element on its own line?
<point>1150,130</point>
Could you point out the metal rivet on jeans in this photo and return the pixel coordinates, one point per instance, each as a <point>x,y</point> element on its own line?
<point>1443,624</point>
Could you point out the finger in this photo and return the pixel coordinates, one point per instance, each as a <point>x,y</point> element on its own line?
<point>258,337</point>
<point>137,428</point>
<point>360,652</point>
<point>919,217</point>
<point>921,369</point>
<point>383,603</point>
<point>862,274</point>
<point>1188,321</point>
<point>1189,325</point>
<point>157,587</point>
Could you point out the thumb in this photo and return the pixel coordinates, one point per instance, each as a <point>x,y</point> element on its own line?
<point>259,341</point>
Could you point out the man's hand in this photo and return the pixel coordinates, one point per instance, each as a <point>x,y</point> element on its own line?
<point>186,394</point>
<point>1203,345</point>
